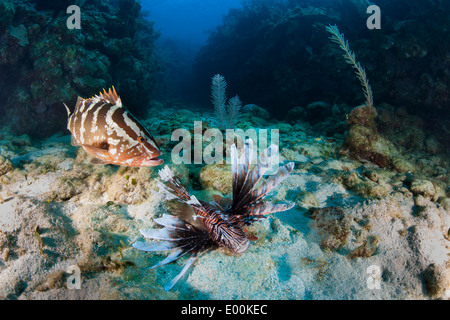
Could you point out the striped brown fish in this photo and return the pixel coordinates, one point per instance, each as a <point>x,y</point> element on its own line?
<point>106,130</point>
<point>219,223</point>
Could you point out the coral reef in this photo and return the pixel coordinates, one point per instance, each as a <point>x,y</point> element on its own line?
<point>371,186</point>
<point>216,176</point>
<point>363,140</point>
<point>276,54</point>
<point>59,210</point>
<point>48,64</point>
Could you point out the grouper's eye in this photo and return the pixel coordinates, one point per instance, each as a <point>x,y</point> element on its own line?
<point>141,139</point>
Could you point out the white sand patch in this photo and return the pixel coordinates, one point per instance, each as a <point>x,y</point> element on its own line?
<point>9,220</point>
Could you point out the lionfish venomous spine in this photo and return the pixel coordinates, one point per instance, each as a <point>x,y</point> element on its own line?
<point>221,222</point>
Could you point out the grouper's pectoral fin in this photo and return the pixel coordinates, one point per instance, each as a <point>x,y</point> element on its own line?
<point>100,154</point>
<point>99,161</point>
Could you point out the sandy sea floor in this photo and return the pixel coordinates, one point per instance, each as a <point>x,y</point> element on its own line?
<point>356,232</point>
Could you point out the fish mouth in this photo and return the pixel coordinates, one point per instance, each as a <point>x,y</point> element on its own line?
<point>151,162</point>
<point>148,160</point>
<point>154,162</point>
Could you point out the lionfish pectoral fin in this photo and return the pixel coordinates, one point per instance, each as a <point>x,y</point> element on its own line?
<point>264,208</point>
<point>157,234</point>
<point>170,258</point>
<point>170,221</point>
<point>172,189</point>
<point>177,235</point>
<point>153,246</point>
<point>274,180</point>
<point>172,282</point>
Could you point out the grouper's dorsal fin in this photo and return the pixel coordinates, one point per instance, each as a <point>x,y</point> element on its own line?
<point>110,96</point>
<point>80,101</point>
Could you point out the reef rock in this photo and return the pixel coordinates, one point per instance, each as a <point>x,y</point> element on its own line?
<point>333,225</point>
<point>5,165</point>
<point>217,177</point>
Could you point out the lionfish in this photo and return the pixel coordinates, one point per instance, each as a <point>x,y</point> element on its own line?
<point>106,130</point>
<point>221,222</point>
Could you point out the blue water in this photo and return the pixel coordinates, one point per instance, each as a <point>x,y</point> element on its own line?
<point>188,21</point>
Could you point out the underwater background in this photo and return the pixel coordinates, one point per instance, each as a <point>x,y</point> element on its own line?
<point>371,180</point>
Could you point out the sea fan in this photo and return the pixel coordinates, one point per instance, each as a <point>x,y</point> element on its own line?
<point>226,114</point>
<point>350,58</point>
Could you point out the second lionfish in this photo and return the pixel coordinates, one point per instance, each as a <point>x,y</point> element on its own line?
<point>220,223</point>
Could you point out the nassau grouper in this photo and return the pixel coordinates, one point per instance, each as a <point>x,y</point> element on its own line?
<point>106,130</point>
<point>221,221</point>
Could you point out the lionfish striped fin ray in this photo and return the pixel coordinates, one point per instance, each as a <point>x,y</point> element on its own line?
<point>173,189</point>
<point>264,162</point>
<point>245,196</point>
<point>153,246</point>
<point>164,191</point>
<point>170,221</point>
<point>172,282</point>
<point>170,258</point>
<point>240,167</point>
<point>177,235</point>
<point>272,181</point>
<point>263,208</point>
